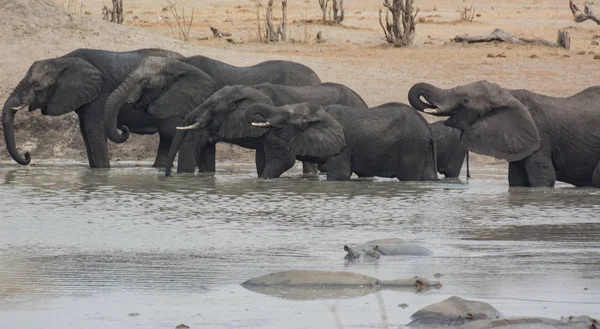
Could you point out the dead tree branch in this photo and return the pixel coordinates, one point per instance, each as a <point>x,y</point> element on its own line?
<point>339,10</point>
<point>183,25</point>
<point>114,15</point>
<point>323,4</point>
<point>401,30</point>
<point>502,36</point>
<point>587,13</point>
<point>283,26</point>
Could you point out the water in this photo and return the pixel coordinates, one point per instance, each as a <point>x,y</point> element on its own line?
<point>129,248</point>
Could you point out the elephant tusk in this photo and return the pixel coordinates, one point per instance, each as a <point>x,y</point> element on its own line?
<point>20,107</point>
<point>432,111</point>
<point>261,124</point>
<point>190,127</point>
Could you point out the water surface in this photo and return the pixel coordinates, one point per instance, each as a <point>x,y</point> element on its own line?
<point>129,248</point>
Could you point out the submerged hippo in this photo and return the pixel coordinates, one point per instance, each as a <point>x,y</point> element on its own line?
<point>580,322</point>
<point>452,311</point>
<point>315,284</point>
<point>468,314</point>
<point>390,247</point>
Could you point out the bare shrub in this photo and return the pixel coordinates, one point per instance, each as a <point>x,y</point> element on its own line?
<point>467,13</point>
<point>114,15</point>
<point>182,26</point>
<point>339,11</point>
<point>323,4</point>
<point>401,30</point>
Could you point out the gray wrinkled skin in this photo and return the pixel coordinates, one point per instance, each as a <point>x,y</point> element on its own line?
<point>315,284</point>
<point>454,311</point>
<point>582,322</point>
<point>388,247</point>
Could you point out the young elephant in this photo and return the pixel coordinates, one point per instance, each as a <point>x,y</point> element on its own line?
<point>230,104</point>
<point>80,82</point>
<point>221,118</point>
<point>450,152</point>
<point>543,138</point>
<point>390,140</point>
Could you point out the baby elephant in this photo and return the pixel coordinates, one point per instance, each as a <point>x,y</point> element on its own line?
<point>390,140</point>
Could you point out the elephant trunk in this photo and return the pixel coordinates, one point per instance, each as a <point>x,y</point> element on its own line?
<point>260,115</point>
<point>115,101</point>
<point>433,96</point>
<point>8,117</point>
<point>175,145</point>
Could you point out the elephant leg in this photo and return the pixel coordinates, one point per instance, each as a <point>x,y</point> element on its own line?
<point>339,166</point>
<point>186,162</point>
<point>277,161</point>
<point>162,155</point>
<point>91,126</point>
<point>540,170</point>
<point>207,158</point>
<point>596,176</point>
<point>412,166</point>
<point>260,160</point>
<point>517,176</point>
<point>309,168</point>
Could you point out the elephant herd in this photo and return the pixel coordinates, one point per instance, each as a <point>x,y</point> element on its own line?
<point>283,111</point>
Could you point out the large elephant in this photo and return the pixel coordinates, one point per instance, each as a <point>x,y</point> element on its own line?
<point>450,152</point>
<point>390,140</point>
<point>543,138</point>
<point>81,81</point>
<point>167,89</point>
<point>222,118</point>
<point>155,79</point>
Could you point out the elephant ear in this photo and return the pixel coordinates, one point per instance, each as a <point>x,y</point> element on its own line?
<point>79,83</point>
<point>505,132</point>
<point>323,138</point>
<point>184,95</point>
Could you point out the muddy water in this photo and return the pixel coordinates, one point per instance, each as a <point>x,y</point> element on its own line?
<point>129,248</point>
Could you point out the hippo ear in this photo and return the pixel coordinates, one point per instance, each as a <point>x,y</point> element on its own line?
<point>347,249</point>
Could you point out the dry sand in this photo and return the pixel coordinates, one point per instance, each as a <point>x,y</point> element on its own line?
<point>354,54</point>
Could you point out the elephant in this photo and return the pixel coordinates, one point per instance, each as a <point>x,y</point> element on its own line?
<point>165,99</point>
<point>222,117</point>
<point>390,140</point>
<point>388,247</point>
<point>157,84</point>
<point>545,139</point>
<point>81,81</point>
<point>450,152</point>
<point>452,311</point>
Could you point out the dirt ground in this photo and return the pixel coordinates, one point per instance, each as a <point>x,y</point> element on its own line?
<point>353,53</point>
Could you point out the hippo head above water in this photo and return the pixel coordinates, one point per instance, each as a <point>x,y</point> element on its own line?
<point>353,254</point>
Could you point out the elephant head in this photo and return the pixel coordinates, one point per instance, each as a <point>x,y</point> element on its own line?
<point>221,117</point>
<point>164,87</point>
<point>307,128</point>
<point>56,86</point>
<point>493,122</point>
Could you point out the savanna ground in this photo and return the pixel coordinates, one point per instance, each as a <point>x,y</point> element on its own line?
<point>353,53</point>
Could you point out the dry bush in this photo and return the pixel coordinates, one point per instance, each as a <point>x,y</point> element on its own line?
<point>182,26</point>
<point>467,13</point>
<point>401,30</point>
